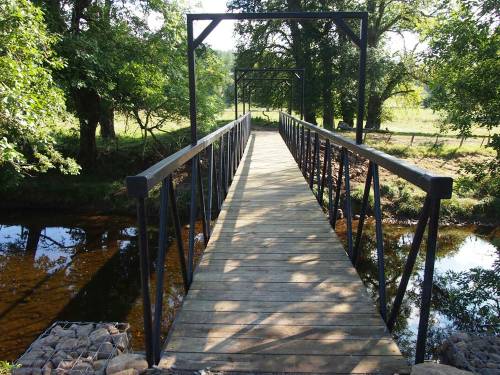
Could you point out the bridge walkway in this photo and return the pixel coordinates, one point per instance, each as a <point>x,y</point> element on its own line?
<point>275,291</point>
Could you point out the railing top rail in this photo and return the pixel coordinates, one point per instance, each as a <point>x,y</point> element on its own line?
<point>438,185</point>
<point>138,186</point>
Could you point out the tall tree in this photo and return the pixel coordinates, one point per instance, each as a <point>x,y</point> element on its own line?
<point>463,65</point>
<point>331,62</point>
<point>389,73</point>
<point>117,60</point>
<point>30,102</point>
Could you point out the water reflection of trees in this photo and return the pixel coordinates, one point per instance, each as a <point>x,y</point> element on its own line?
<point>462,300</point>
<point>471,299</point>
<point>45,268</point>
<point>86,272</point>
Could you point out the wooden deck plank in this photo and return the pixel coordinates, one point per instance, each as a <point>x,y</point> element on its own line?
<point>234,295</point>
<point>275,290</point>
<point>289,345</point>
<point>308,332</point>
<point>293,319</point>
<point>269,363</point>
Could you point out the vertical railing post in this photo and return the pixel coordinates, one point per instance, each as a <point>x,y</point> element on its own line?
<point>178,234</point>
<point>321,188</point>
<point>348,210</point>
<point>425,303</point>
<point>301,158</point>
<point>308,152</point>
<point>217,173</point>
<point>313,161</point>
<point>210,186</point>
<point>318,163</point>
<point>145,272</point>
<point>222,160</point>
<point>380,242</point>
<point>228,160</point>
<point>362,214</point>
<point>205,222</point>
<point>330,185</point>
<point>338,187</point>
<point>192,217</point>
<point>160,268</point>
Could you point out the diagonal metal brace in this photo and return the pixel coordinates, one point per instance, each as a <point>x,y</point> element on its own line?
<point>347,29</point>
<point>211,26</point>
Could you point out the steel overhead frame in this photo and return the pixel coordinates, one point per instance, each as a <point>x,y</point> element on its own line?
<point>240,75</point>
<point>247,86</point>
<point>339,18</point>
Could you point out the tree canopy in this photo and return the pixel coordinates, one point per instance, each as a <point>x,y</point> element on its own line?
<point>330,60</point>
<point>116,59</point>
<point>30,102</point>
<point>463,65</point>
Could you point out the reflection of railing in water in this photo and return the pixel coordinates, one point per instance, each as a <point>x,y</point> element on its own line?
<point>224,148</point>
<point>298,136</point>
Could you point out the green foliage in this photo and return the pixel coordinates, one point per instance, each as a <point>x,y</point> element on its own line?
<point>357,195</point>
<point>388,191</point>
<point>119,61</point>
<point>330,60</point>
<point>152,80</point>
<point>457,209</point>
<point>479,179</point>
<point>407,202</point>
<point>461,64</point>
<point>30,102</point>
<point>489,209</point>
<point>6,368</point>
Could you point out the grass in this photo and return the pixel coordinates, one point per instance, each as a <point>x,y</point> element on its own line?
<point>6,368</point>
<point>439,150</point>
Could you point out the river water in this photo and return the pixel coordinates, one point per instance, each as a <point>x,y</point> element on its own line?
<point>85,268</point>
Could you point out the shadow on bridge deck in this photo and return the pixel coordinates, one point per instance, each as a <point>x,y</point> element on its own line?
<point>275,290</point>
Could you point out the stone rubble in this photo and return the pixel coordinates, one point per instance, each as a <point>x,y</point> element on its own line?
<point>74,349</point>
<point>475,353</point>
<point>431,368</point>
<point>127,364</point>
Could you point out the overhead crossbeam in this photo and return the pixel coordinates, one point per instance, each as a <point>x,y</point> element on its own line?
<point>249,83</point>
<point>211,26</point>
<point>299,72</point>
<point>337,17</point>
<point>347,29</point>
<point>241,73</point>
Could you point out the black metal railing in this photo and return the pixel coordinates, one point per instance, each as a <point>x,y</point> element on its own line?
<point>306,141</point>
<point>223,149</point>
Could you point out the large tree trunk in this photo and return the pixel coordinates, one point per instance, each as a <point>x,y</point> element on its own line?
<point>88,147</point>
<point>374,112</point>
<point>88,110</point>
<point>327,85</point>
<point>107,121</point>
<point>328,119</point>
<point>348,111</point>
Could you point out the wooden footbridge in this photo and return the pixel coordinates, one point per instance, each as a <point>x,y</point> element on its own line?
<point>275,291</point>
